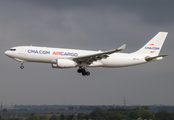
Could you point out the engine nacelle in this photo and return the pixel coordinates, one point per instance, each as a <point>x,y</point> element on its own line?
<point>64,63</point>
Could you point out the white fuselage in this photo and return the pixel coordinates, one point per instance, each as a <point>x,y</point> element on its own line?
<point>50,55</point>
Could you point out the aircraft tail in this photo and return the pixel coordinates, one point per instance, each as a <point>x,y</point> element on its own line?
<point>154,46</point>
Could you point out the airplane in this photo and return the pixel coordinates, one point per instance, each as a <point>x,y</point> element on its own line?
<point>70,58</point>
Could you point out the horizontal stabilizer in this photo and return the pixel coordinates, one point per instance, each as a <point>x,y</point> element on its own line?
<point>154,58</point>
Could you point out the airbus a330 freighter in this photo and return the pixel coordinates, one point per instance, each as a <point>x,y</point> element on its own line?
<point>69,58</point>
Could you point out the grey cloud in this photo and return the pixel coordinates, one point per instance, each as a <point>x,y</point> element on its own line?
<point>156,12</point>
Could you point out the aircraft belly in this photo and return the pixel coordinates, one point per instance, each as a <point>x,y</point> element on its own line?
<point>114,62</point>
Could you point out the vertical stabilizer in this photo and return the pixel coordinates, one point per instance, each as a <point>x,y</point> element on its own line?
<point>154,46</point>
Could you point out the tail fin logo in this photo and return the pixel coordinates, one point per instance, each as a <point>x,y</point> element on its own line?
<point>154,46</point>
<point>151,47</point>
<point>152,51</point>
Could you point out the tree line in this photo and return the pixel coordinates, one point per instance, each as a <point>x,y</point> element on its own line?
<point>137,113</point>
<point>154,108</point>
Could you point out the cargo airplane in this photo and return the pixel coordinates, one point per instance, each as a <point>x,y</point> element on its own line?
<point>69,58</point>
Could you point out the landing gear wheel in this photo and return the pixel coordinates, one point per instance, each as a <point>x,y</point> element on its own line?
<point>87,73</point>
<point>83,71</point>
<point>79,70</point>
<point>22,67</point>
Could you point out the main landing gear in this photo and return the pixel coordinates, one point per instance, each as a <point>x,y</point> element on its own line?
<point>22,65</point>
<point>83,71</point>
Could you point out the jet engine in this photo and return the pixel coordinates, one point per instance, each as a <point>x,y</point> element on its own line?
<point>64,63</point>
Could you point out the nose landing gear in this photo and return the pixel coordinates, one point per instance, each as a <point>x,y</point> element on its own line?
<point>22,66</point>
<point>83,71</point>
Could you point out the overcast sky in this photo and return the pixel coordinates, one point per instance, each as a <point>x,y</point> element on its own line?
<point>91,25</point>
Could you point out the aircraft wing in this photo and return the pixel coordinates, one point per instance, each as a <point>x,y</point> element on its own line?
<point>88,59</point>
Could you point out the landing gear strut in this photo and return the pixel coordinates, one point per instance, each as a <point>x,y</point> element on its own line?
<point>83,71</point>
<point>22,66</point>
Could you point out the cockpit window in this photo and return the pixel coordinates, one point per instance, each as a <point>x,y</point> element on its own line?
<point>12,49</point>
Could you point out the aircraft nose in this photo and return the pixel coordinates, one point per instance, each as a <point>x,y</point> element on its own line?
<point>6,53</point>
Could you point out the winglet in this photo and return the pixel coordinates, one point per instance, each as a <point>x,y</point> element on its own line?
<point>122,47</point>
<point>116,50</point>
